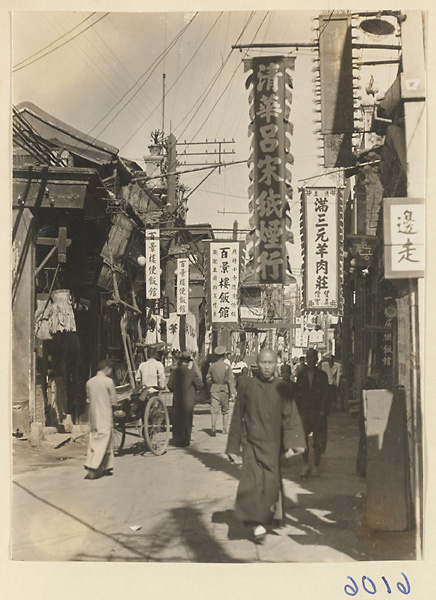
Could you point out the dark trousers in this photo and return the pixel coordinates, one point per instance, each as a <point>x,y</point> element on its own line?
<point>313,423</point>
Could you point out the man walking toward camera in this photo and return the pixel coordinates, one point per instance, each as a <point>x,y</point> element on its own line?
<point>101,396</point>
<point>262,424</point>
<point>313,403</point>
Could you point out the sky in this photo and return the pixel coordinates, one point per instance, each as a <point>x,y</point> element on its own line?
<point>107,82</point>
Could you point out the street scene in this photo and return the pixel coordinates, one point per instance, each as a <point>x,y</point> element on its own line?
<point>217,292</point>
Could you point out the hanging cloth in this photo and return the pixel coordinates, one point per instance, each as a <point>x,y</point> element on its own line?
<point>62,317</point>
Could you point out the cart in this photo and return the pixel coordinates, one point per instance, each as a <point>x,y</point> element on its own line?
<point>143,410</point>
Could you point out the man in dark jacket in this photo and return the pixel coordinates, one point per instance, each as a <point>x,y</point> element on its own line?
<point>183,382</point>
<point>313,403</point>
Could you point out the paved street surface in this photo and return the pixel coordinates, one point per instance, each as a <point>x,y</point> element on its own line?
<point>179,507</point>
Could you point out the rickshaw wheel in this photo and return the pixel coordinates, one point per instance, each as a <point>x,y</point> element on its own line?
<point>118,437</point>
<point>156,429</point>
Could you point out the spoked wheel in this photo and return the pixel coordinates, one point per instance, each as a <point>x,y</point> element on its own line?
<point>156,426</point>
<point>118,437</point>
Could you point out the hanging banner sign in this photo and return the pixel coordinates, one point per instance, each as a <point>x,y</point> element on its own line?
<point>322,239</point>
<point>152,264</point>
<point>270,160</point>
<point>404,234</point>
<point>336,84</point>
<point>222,282</point>
<point>182,286</point>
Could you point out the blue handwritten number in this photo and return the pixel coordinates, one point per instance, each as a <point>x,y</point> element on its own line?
<point>388,587</point>
<point>402,588</point>
<point>374,589</point>
<point>349,590</point>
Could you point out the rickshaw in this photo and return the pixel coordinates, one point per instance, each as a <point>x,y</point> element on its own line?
<point>144,410</point>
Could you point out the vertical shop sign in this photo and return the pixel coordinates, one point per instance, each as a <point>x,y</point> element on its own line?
<point>404,234</point>
<point>152,264</point>
<point>322,244</point>
<point>222,281</point>
<point>182,286</point>
<point>270,160</point>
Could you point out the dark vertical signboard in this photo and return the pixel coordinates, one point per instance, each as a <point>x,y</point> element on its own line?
<point>270,86</point>
<point>336,78</point>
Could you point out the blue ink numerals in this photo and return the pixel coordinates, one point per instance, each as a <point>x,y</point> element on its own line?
<point>368,585</point>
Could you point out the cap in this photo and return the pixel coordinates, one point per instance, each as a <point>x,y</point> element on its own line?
<point>220,350</point>
<point>185,355</point>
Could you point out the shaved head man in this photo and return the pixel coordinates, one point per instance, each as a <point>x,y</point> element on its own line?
<point>261,424</point>
<point>267,363</point>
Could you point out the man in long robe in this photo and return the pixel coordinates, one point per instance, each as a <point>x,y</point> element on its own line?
<point>262,423</point>
<point>101,396</point>
<point>183,382</point>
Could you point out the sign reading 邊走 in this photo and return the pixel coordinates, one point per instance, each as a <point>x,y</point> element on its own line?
<point>270,159</point>
<point>322,244</point>
<point>222,280</point>
<point>182,285</point>
<point>152,264</point>
<point>404,234</point>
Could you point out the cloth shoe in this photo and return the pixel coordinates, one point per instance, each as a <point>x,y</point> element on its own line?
<point>213,432</point>
<point>259,534</point>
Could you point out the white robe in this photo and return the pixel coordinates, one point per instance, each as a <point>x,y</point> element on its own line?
<point>101,395</point>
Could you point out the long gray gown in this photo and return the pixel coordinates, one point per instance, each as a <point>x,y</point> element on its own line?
<point>263,424</point>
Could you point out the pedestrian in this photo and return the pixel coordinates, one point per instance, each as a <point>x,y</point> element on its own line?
<point>313,403</point>
<point>299,367</point>
<point>222,387</point>
<point>242,377</point>
<point>262,423</point>
<point>333,371</point>
<point>286,375</point>
<point>101,396</point>
<point>183,382</point>
<point>228,359</point>
<point>151,373</point>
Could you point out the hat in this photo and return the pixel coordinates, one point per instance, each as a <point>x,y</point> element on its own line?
<point>185,356</point>
<point>220,350</point>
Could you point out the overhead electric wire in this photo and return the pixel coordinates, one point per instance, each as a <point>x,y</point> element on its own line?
<point>99,72</point>
<point>206,92</point>
<point>54,41</point>
<point>60,45</point>
<point>152,67</point>
<point>230,81</point>
<point>175,81</point>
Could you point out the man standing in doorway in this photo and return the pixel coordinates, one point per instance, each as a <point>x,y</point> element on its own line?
<point>262,425</point>
<point>101,396</point>
<point>220,378</point>
<point>313,404</point>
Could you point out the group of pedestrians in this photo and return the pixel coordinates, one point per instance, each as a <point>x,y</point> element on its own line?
<point>273,418</point>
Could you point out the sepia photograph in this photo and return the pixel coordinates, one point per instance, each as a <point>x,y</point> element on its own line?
<point>218,258</point>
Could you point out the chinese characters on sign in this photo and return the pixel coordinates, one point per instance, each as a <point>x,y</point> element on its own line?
<point>404,233</point>
<point>152,264</point>
<point>224,282</point>
<point>322,248</point>
<point>270,190</point>
<point>182,285</point>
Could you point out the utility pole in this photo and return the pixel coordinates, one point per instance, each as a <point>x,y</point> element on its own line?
<point>171,260</point>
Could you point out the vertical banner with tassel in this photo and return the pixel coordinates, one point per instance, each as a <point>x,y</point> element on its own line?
<point>270,191</point>
<point>322,240</point>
